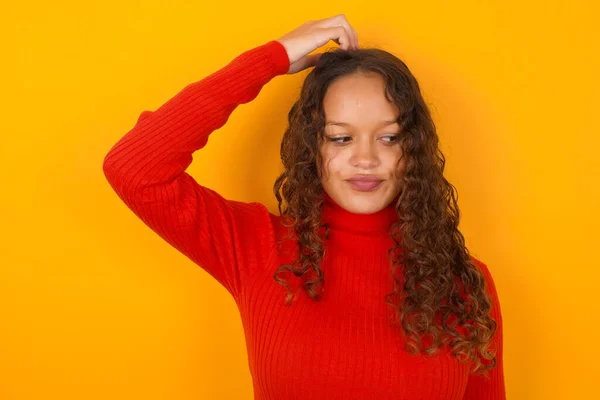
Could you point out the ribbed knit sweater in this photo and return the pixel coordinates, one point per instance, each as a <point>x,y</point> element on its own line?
<point>341,347</point>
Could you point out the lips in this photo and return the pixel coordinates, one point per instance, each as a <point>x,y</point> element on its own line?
<point>365,183</point>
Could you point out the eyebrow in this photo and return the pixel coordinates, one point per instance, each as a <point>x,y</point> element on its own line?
<point>386,122</point>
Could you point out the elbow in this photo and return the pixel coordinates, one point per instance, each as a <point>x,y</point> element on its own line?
<point>108,168</point>
<point>114,174</point>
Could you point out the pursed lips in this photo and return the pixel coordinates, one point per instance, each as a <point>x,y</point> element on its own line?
<point>365,178</point>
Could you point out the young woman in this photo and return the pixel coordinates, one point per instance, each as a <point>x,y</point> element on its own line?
<point>361,287</point>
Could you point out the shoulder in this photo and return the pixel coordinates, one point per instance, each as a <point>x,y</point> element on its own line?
<point>483,268</point>
<point>490,286</point>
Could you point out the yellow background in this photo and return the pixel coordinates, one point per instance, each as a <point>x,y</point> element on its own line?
<point>94,305</point>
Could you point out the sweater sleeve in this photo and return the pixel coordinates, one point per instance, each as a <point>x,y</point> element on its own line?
<point>491,387</point>
<point>147,170</point>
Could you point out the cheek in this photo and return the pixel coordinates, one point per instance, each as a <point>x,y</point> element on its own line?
<point>403,164</point>
<point>393,161</point>
<point>331,162</point>
<point>400,165</point>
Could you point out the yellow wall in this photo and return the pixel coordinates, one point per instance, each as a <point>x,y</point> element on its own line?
<point>93,305</point>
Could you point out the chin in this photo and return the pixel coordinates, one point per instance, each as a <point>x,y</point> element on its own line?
<point>365,205</point>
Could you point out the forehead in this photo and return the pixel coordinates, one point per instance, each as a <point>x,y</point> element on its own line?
<point>358,100</point>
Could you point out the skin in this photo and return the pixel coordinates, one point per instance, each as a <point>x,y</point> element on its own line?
<point>365,145</point>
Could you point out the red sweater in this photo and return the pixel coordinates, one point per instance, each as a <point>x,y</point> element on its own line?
<point>338,348</point>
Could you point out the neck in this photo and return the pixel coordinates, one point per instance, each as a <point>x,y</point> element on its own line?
<point>340,219</point>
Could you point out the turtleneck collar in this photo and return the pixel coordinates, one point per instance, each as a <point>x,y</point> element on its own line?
<point>340,219</point>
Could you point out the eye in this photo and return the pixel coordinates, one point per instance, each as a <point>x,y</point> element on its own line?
<point>338,139</point>
<point>389,139</point>
<point>392,138</point>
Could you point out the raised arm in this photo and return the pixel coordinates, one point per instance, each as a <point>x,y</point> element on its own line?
<point>491,387</point>
<point>146,168</point>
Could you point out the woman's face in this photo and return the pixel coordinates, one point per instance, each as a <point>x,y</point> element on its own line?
<point>360,142</point>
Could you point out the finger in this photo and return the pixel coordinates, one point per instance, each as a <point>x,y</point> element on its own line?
<point>309,60</point>
<point>313,59</point>
<point>356,44</point>
<point>305,62</point>
<point>350,34</point>
<point>341,20</point>
<point>340,36</point>
<point>353,35</point>
<point>350,30</point>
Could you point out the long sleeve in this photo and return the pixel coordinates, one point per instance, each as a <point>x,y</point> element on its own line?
<point>491,387</point>
<point>146,168</point>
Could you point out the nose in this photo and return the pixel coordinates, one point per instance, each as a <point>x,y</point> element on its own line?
<point>365,155</point>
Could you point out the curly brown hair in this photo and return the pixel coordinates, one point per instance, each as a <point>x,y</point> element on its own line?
<point>440,282</point>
